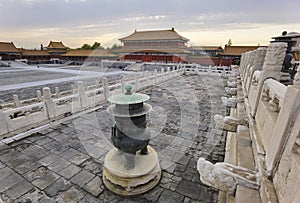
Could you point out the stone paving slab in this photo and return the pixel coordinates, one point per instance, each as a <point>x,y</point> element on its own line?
<point>64,163</point>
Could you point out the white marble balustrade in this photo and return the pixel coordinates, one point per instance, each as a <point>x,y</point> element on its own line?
<point>22,115</point>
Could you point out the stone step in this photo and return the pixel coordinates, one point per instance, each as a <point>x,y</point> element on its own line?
<point>241,111</point>
<point>246,195</point>
<point>244,149</point>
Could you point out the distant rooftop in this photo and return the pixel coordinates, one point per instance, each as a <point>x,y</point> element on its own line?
<point>207,48</point>
<point>237,50</point>
<point>56,45</point>
<point>8,47</point>
<point>155,50</point>
<point>154,35</point>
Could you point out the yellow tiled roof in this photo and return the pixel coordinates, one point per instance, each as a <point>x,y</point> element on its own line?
<point>154,35</point>
<point>161,49</point>
<point>34,52</point>
<point>207,48</point>
<point>237,50</point>
<point>56,45</point>
<point>8,47</point>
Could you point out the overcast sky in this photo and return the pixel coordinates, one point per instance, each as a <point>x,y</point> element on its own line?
<point>29,23</point>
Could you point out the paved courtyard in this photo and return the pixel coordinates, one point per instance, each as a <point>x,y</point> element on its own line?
<point>26,80</point>
<point>64,163</point>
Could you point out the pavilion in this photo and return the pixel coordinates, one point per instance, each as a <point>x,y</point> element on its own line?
<point>56,49</point>
<point>154,46</point>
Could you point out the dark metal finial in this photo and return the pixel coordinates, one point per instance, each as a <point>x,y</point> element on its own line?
<point>128,89</point>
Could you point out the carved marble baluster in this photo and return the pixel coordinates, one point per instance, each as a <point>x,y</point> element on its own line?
<point>271,68</point>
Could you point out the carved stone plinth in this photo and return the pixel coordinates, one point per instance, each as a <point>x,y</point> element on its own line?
<point>231,84</point>
<point>143,177</point>
<point>231,91</point>
<point>226,177</point>
<point>228,123</point>
<point>231,102</point>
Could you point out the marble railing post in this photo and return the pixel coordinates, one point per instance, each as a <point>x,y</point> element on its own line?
<point>284,124</point>
<point>197,69</point>
<point>57,93</point>
<point>147,78</point>
<point>162,74</point>
<point>249,63</point>
<point>39,95</point>
<point>118,89</point>
<point>16,101</point>
<point>257,65</point>
<point>168,73</point>
<point>242,62</point>
<point>72,89</point>
<point>271,68</point>
<point>82,95</point>
<point>49,102</point>
<point>246,60</point>
<point>105,87</point>
<point>3,124</point>
<point>252,55</point>
<point>224,71</point>
<point>209,70</point>
<point>136,78</point>
<point>122,83</point>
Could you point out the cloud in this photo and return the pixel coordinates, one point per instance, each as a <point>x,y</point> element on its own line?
<point>36,13</point>
<point>87,18</point>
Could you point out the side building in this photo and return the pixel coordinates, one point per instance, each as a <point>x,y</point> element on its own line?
<point>232,54</point>
<point>8,51</point>
<point>49,54</point>
<point>79,56</point>
<point>35,56</point>
<point>56,49</point>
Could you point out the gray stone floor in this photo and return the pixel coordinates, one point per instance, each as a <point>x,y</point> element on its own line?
<point>62,77</point>
<point>64,163</point>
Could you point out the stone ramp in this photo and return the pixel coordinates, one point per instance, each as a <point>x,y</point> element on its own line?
<point>16,64</point>
<point>4,64</point>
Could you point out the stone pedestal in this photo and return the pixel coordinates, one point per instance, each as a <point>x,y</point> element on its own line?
<point>143,177</point>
